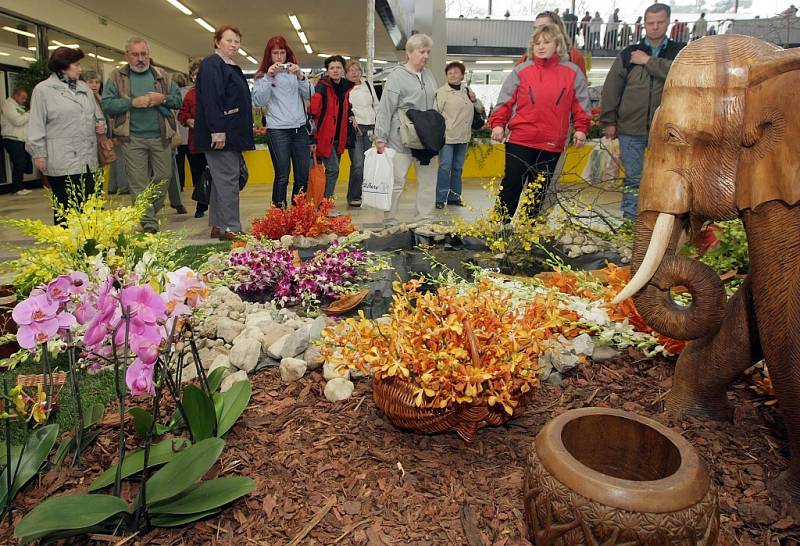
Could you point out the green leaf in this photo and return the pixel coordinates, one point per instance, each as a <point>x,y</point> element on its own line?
<point>215,379</point>
<point>184,470</point>
<point>68,512</point>
<point>200,412</point>
<point>141,420</point>
<point>179,521</point>
<point>207,495</point>
<point>235,401</point>
<point>219,403</point>
<point>34,454</point>
<point>160,453</point>
<point>14,454</point>
<point>93,414</point>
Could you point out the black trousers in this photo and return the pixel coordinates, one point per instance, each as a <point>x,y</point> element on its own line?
<point>197,164</point>
<point>19,159</point>
<point>71,190</point>
<point>523,164</point>
<point>181,153</point>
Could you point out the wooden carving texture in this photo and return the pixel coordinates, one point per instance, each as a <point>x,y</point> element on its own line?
<point>557,516</point>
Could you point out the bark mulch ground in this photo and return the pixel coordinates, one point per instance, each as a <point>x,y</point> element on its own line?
<point>342,474</point>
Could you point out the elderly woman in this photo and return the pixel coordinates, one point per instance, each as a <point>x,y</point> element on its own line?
<point>458,106</point>
<point>223,129</point>
<point>409,86</point>
<point>62,133</point>
<point>363,102</point>
<point>536,103</point>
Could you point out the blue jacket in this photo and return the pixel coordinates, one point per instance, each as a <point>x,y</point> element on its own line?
<point>283,95</point>
<point>223,106</point>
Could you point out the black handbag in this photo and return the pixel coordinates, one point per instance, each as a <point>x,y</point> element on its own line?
<point>478,119</point>
<point>202,188</point>
<point>243,173</point>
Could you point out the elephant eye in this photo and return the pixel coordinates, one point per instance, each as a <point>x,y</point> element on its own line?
<point>673,136</point>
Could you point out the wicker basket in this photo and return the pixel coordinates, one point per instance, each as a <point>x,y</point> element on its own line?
<point>395,397</point>
<point>59,380</point>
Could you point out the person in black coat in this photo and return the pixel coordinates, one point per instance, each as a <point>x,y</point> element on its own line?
<point>224,129</point>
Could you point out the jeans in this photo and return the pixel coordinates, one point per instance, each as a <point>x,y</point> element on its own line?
<point>357,162</point>
<point>18,156</point>
<point>331,170</point>
<point>288,148</point>
<point>448,180</point>
<point>524,164</point>
<point>631,151</point>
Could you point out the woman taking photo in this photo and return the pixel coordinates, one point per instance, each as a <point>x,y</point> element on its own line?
<point>62,133</point>
<point>409,86</point>
<point>458,106</point>
<point>535,103</point>
<point>363,102</point>
<point>282,87</point>
<point>223,129</point>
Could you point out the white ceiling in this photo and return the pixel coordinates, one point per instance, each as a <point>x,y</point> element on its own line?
<point>334,31</point>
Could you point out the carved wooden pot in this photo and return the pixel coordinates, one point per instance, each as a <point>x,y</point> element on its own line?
<point>8,299</point>
<point>602,476</point>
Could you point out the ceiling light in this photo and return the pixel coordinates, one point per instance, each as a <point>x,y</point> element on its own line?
<point>481,71</point>
<point>308,48</point>
<point>203,24</point>
<point>302,36</point>
<point>323,55</point>
<point>70,46</point>
<point>243,53</point>
<point>100,57</point>
<point>508,70</point>
<point>252,60</point>
<point>29,59</point>
<point>378,61</point>
<point>183,9</point>
<point>4,54</point>
<point>18,31</point>
<point>494,62</point>
<point>295,21</point>
<point>32,48</point>
<point>362,59</point>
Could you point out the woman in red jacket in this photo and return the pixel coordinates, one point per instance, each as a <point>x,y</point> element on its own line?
<point>330,106</point>
<point>197,159</point>
<point>536,103</point>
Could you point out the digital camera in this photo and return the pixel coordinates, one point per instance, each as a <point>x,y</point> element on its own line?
<point>283,66</point>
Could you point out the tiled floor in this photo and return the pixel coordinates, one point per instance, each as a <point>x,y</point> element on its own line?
<point>253,202</point>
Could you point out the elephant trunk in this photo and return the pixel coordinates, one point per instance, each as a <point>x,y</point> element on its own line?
<point>657,269</point>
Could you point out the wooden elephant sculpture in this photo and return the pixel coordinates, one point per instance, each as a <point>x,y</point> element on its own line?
<point>725,143</point>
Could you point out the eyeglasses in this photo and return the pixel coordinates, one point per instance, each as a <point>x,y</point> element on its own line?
<point>139,55</point>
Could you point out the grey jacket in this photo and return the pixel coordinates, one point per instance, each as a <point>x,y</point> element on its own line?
<point>283,95</point>
<point>403,90</point>
<point>62,127</point>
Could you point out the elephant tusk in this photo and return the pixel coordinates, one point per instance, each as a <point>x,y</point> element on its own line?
<point>659,241</point>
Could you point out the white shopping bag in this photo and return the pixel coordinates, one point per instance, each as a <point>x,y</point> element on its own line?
<point>376,188</point>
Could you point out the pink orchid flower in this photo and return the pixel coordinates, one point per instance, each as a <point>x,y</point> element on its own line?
<point>36,320</point>
<point>60,288</point>
<point>139,378</point>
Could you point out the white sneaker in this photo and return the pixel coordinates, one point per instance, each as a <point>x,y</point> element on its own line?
<point>23,192</point>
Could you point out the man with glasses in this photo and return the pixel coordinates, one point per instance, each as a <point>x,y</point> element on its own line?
<point>139,99</point>
<point>631,94</point>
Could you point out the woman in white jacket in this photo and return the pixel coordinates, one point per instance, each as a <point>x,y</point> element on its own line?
<point>14,129</point>
<point>363,102</point>
<point>62,133</point>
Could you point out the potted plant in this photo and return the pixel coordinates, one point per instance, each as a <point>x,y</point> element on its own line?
<point>450,359</point>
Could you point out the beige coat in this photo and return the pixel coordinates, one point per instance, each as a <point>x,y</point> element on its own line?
<point>458,111</point>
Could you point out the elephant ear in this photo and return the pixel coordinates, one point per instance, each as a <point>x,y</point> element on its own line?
<point>769,163</point>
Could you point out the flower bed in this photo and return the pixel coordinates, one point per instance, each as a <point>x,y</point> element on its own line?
<point>303,219</point>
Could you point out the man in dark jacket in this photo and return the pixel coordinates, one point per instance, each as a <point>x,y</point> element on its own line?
<point>631,94</point>
<point>330,106</point>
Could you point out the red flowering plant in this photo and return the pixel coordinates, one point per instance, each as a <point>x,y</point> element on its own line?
<point>304,218</point>
<point>596,128</point>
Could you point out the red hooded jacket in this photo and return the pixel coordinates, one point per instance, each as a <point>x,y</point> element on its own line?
<point>537,100</point>
<point>325,105</point>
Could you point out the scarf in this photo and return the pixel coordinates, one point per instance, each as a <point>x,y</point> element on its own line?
<point>72,84</point>
<point>454,86</point>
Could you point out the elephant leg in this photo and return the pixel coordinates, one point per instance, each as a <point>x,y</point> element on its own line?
<point>774,248</point>
<point>708,365</point>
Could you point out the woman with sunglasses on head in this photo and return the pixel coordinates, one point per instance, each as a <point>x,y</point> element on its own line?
<point>573,55</point>
<point>281,86</point>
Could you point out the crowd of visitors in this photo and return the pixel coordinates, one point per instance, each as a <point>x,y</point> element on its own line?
<point>145,122</point>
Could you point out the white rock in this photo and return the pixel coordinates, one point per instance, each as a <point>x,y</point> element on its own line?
<point>189,373</point>
<point>208,355</point>
<point>565,240</point>
<point>245,353</point>
<point>249,332</point>
<point>589,249</point>
<point>208,328</point>
<point>303,242</point>
<point>297,342</point>
<point>286,241</point>
<point>338,388</point>
<point>228,329</point>
<point>292,369</point>
<point>277,332</point>
<point>221,362</point>
<point>583,344</point>
<point>229,381</point>
<point>579,239</point>
<point>603,352</point>
<point>330,371</point>
<point>313,358</point>
<point>235,315</point>
<point>317,327</point>
<point>276,349</point>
